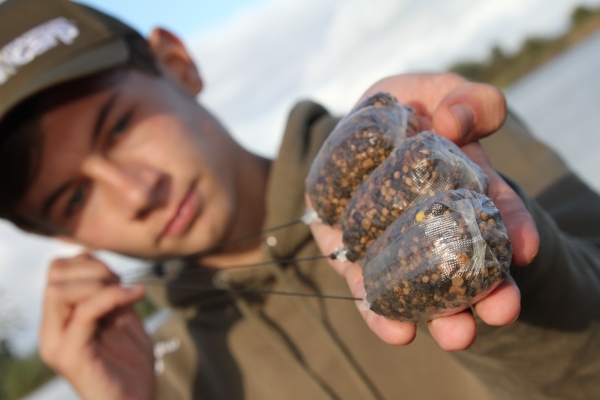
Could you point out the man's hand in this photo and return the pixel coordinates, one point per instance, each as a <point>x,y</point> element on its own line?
<point>448,104</point>
<point>463,112</point>
<point>91,335</point>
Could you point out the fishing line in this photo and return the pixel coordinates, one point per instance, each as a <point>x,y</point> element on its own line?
<point>142,277</point>
<point>246,237</point>
<point>310,216</point>
<point>253,291</point>
<point>204,270</point>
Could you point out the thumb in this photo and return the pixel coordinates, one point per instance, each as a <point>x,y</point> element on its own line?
<point>470,112</point>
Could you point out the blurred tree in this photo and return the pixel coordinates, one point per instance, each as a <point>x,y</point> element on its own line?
<point>581,14</point>
<point>502,69</point>
<point>22,375</point>
<point>18,376</point>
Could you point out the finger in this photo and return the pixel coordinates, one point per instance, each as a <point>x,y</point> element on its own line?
<point>57,309</point>
<point>122,332</point>
<point>455,332</point>
<point>58,317</point>
<point>66,294</point>
<point>519,224</point>
<point>80,267</point>
<point>117,343</point>
<point>462,111</point>
<point>130,322</point>
<point>329,239</point>
<point>391,332</point>
<point>395,333</point>
<point>87,315</point>
<point>424,92</point>
<point>71,280</point>
<point>51,331</point>
<point>502,306</point>
<point>470,112</point>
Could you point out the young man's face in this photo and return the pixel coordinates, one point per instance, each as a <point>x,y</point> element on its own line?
<point>137,167</point>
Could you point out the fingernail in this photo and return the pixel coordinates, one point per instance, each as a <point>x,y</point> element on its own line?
<point>464,118</point>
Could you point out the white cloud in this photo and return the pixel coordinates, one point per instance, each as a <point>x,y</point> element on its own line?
<point>260,63</point>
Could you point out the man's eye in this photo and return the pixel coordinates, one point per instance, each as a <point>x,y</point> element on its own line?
<point>121,126</point>
<point>76,200</point>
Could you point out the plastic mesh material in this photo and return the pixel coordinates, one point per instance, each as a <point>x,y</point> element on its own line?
<point>437,259</point>
<point>424,165</point>
<point>360,142</point>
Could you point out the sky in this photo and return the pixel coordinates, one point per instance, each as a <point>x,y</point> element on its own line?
<point>259,57</point>
<point>183,17</point>
<point>331,51</point>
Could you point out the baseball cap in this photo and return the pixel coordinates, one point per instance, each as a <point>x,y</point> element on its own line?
<point>46,42</point>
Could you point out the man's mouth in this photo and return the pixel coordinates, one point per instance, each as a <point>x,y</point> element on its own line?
<point>184,214</point>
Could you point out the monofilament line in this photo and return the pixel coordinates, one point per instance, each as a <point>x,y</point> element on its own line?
<point>252,291</point>
<point>246,237</point>
<point>134,275</point>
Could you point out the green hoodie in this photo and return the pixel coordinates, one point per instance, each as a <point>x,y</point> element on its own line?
<point>218,345</point>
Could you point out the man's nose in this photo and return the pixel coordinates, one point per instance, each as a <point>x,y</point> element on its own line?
<point>133,188</point>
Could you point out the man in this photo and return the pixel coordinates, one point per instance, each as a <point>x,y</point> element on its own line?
<point>103,143</point>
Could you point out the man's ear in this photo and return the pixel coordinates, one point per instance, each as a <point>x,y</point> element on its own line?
<point>175,60</point>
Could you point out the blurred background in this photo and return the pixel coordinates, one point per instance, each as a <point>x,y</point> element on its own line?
<point>259,57</point>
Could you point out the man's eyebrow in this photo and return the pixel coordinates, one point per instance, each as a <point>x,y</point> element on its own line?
<point>49,202</point>
<point>101,119</point>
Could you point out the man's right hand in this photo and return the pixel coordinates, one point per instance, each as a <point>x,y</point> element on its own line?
<point>463,112</point>
<point>91,335</point>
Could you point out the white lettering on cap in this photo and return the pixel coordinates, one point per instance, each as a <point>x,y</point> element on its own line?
<point>33,43</point>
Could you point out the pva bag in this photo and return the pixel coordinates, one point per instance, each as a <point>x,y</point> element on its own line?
<point>424,165</point>
<point>438,258</point>
<point>359,143</point>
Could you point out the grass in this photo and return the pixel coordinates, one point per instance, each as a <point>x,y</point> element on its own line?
<point>20,376</point>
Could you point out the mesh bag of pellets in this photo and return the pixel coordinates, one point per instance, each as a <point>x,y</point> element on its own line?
<point>439,258</point>
<point>424,165</point>
<point>426,251</point>
<point>359,143</point>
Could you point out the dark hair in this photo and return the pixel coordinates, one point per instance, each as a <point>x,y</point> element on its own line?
<point>21,136</point>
